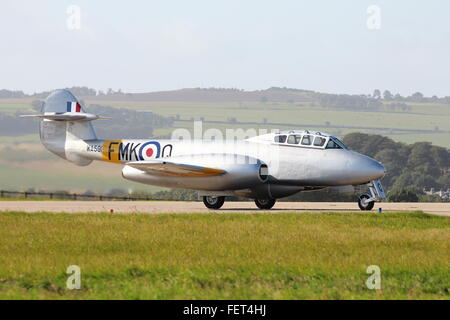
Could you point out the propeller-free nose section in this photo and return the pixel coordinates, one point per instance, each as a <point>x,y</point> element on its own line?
<point>362,169</point>
<point>373,169</point>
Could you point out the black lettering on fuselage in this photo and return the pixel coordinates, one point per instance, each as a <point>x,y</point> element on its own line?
<point>133,151</point>
<point>111,150</point>
<point>163,154</point>
<point>123,152</point>
<point>127,151</point>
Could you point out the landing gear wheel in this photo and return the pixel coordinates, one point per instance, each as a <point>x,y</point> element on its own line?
<point>363,205</point>
<point>265,203</point>
<point>213,202</point>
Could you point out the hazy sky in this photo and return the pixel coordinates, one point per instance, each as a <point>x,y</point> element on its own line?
<point>161,45</point>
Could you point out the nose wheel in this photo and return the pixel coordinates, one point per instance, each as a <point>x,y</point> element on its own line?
<point>213,202</point>
<point>376,193</point>
<point>364,202</point>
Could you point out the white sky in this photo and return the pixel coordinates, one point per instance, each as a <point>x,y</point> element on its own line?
<point>162,45</point>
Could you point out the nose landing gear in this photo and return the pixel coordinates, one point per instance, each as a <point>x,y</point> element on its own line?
<point>364,203</point>
<point>376,193</point>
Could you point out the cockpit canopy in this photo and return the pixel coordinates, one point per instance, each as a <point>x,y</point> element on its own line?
<point>308,139</point>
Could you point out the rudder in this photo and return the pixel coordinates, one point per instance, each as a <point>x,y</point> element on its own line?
<point>64,137</point>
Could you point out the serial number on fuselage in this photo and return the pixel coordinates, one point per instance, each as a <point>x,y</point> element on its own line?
<point>95,148</point>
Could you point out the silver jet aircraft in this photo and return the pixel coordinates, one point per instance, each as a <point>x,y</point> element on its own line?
<point>264,168</point>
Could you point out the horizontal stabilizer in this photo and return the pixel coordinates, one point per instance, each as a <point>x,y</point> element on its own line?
<point>165,168</point>
<point>67,116</point>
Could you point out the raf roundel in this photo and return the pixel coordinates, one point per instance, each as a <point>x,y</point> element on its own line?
<point>149,150</point>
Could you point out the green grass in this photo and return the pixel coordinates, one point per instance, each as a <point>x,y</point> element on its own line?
<point>224,256</point>
<point>74,179</point>
<point>32,166</point>
<point>421,117</point>
<point>14,105</point>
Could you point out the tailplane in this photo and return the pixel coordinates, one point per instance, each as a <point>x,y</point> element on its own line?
<point>65,125</point>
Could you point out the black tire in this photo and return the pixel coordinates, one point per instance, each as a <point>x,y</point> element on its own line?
<point>265,204</point>
<point>213,202</point>
<point>367,206</point>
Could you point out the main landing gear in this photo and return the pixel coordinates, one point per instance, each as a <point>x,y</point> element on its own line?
<point>265,204</point>
<point>376,193</point>
<point>215,203</point>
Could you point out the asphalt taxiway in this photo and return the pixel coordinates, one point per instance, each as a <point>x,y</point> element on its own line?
<point>153,207</point>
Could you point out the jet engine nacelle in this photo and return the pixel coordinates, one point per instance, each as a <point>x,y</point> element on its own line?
<point>240,172</point>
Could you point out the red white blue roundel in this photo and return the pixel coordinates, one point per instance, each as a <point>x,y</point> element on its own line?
<point>149,150</point>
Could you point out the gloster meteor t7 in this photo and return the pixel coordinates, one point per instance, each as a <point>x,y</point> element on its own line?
<point>264,168</point>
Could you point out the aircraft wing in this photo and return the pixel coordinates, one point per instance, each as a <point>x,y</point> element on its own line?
<point>166,168</point>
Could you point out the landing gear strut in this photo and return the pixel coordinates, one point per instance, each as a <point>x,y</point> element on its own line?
<point>376,193</point>
<point>213,202</point>
<point>265,203</point>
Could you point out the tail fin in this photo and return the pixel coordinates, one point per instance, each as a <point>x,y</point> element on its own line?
<point>65,125</point>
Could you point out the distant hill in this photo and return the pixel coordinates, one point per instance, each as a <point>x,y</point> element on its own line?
<point>215,95</point>
<point>227,95</point>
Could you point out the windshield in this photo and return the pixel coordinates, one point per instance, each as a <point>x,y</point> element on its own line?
<point>308,140</point>
<point>338,142</point>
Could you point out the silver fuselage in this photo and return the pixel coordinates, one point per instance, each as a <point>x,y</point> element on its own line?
<point>287,165</point>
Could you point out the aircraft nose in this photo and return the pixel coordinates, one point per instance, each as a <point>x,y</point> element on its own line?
<point>374,169</point>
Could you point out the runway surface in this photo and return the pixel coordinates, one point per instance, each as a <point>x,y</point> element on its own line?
<point>153,207</point>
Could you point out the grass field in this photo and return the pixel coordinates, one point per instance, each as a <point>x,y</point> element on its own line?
<point>68,177</point>
<point>30,165</point>
<point>422,116</point>
<point>225,256</point>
